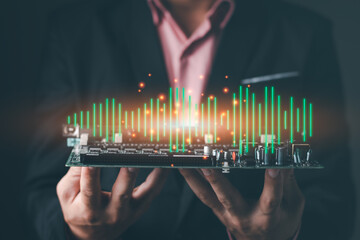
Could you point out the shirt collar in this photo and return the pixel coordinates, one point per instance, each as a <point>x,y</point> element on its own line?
<point>219,14</point>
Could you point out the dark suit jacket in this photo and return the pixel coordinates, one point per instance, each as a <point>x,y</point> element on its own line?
<point>104,50</point>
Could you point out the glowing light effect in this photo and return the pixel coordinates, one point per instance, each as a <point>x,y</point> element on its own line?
<point>107,119</point>
<point>278,127</point>
<point>81,119</point>
<point>170,114</point>
<point>120,119</point>
<point>94,120</point>
<point>100,112</point>
<point>113,119</point>
<point>247,120</point>
<point>272,119</point>
<point>240,127</point>
<point>291,120</point>
<point>157,120</point>
<point>266,108</point>
<point>304,121</point>
<point>215,120</point>
<point>253,119</point>
<point>138,121</point>
<point>87,119</point>
<point>259,119</point>
<point>234,120</point>
<point>310,120</point>
<point>298,120</point>
<point>151,120</point>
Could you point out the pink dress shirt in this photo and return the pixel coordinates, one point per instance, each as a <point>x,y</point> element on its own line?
<point>189,59</point>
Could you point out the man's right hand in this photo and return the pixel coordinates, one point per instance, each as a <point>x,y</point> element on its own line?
<point>94,214</point>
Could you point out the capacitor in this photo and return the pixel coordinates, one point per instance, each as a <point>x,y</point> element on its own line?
<point>280,155</point>
<point>207,150</point>
<point>226,155</point>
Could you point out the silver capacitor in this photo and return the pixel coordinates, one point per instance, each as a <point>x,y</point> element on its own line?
<point>207,150</point>
<point>280,155</point>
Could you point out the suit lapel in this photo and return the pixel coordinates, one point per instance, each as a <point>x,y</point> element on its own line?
<point>145,50</point>
<point>237,47</point>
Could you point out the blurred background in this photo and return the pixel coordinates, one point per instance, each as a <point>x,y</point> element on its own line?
<point>23,26</point>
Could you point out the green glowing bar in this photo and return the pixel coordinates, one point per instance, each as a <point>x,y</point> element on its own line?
<point>81,119</point>
<point>151,120</point>
<point>304,113</point>
<point>132,120</point>
<point>157,120</point>
<point>291,120</point>
<point>227,119</point>
<point>138,121</point>
<point>272,119</point>
<point>208,118</point>
<point>87,119</point>
<point>298,120</point>
<point>278,118</point>
<point>126,122</point>
<point>68,120</point>
<point>234,118</point>
<point>75,119</point>
<point>94,119</point>
<point>247,120</point>
<point>164,121</point>
<point>196,117</point>
<point>177,118</point>
<point>259,119</point>
<point>145,129</point>
<point>170,122</point>
<point>100,112</point>
<point>113,119</point>
<point>266,116</point>
<point>107,119</point>
<point>119,119</point>
<point>285,127</point>
<point>221,119</point>
<point>189,119</point>
<point>202,119</point>
<point>310,120</point>
<point>215,119</point>
<point>183,119</point>
<point>253,119</point>
<point>240,127</point>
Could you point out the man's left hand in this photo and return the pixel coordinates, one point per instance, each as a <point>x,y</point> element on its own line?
<point>276,215</point>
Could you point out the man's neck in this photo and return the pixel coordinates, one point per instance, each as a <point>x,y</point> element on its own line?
<point>189,14</point>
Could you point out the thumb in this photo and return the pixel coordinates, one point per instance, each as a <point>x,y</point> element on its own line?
<point>69,186</point>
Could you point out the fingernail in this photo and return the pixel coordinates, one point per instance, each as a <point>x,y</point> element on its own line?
<point>132,170</point>
<point>273,172</point>
<point>206,172</point>
<point>92,168</point>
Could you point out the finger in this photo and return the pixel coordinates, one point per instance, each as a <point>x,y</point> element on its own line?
<point>201,188</point>
<point>152,185</point>
<point>227,194</point>
<point>90,189</point>
<point>69,186</point>
<point>292,192</point>
<point>272,193</point>
<point>123,187</point>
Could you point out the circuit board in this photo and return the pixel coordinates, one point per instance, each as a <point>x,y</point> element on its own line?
<point>93,152</point>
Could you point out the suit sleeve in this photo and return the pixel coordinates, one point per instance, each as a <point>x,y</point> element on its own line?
<point>329,193</point>
<point>48,151</point>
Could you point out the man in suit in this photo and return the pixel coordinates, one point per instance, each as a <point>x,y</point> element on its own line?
<point>97,50</point>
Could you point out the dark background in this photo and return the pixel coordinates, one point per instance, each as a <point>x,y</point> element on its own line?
<point>23,25</point>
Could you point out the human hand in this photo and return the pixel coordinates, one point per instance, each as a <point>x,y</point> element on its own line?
<point>94,214</point>
<point>276,215</point>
